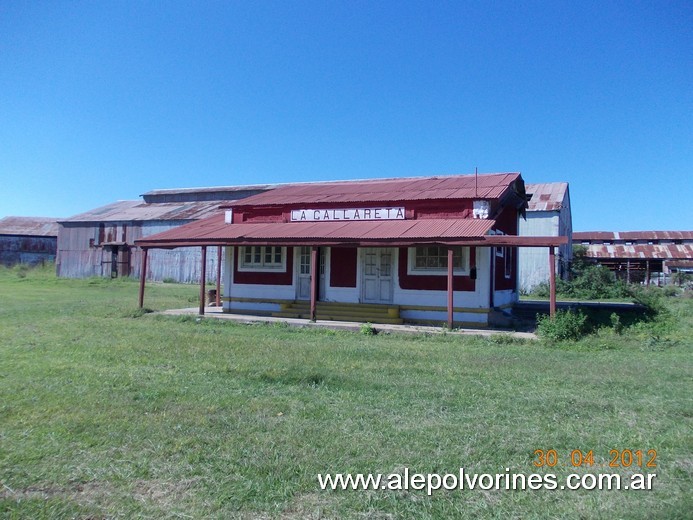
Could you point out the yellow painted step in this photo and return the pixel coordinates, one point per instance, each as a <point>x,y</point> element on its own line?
<point>323,316</point>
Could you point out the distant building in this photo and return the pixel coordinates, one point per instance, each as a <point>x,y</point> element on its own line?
<point>548,214</point>
<point>639,256</point>
<point>100,242</point>
<point>28,240</point>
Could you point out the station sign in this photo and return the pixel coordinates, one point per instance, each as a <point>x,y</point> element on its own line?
<point>346,214</point>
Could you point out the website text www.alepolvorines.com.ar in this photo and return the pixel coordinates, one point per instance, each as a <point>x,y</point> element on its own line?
<point>430,482</point>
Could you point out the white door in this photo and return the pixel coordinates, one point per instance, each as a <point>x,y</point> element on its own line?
<point>377,275</point>
<point>303,274</point>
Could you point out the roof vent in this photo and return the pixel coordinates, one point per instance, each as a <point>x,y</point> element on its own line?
<point>482,209</point>
<point>228,216</point>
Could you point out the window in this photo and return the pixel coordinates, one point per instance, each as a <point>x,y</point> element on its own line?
<point>433,260</point>
<point>508,262</point>
<point>262,258</point>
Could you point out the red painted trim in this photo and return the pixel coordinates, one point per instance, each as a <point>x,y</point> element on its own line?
<point>451,303</point>
<point>433,283</point>
<point>218,301</point>
<point>507,223</point>
<point>203,279</point>
<point>443,208</point>
<point>143,276</point>
<point>552,281</point>
<point>313,282</point>
<point>343,266</point>
<point>265,278</point>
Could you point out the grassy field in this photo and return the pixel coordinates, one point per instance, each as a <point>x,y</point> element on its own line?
<point>107,413</point>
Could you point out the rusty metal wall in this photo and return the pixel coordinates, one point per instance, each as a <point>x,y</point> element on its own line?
<point>27,249</point>
<point>82,253</point>
<point>181,265</point>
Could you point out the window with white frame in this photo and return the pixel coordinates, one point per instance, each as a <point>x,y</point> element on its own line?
<point>433,260</point>
<point>508,262</point>
<point>500,250</point>
<point>262,258</point>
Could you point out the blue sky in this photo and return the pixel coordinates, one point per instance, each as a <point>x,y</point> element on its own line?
<point>102,101</point>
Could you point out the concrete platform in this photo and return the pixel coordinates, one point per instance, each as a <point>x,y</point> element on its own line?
<point>216,313</point>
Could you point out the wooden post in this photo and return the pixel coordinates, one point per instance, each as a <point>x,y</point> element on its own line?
<point>313,282</point>
<point>647,273</point>
<point>450,290</point>
<point>552,281</point>
<point>218,276</point>
<point>203,278</point>
<point>143,275</point>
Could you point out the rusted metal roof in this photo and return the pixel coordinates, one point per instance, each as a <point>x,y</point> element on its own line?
<point>135,210</point>
<point>485,186</point>
<point>684,264</point>
<point>580,236</point>
<point>641,251</point>
<point>211,189</point>
<point>550,196</point>
<point>214,230</point>
<point>29,226</point>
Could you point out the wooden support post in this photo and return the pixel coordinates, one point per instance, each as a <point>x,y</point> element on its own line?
<point>628,271</point>
<point>647,273</point>
<point>552,281</point>
<point>203,280</point>
<point>450,290</point>
<point>218,276</point>
<point>143,275</point>
<point>313,282</point>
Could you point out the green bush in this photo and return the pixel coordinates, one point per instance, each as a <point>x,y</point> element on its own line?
<point>367,329</point>
<point>597,282</point>
<point>670,290</point>
<point>565,325</point>
<point>594,282</point>
<point>616,323</point>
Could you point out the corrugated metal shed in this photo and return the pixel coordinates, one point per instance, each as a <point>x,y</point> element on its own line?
<point>210,189</point>
<point>213,230</point>
<point>486,186</point>
<point>220,193</point>
<point>29,226</point>
<point>583,236</point>
<point>641,251</point>
<point>548,196</point>
<point>28,240</point>
<point>135,210</point>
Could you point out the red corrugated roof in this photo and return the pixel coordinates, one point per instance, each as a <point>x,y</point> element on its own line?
<point>632,235</point>
<point>486,186</point>
<point>214,230</point>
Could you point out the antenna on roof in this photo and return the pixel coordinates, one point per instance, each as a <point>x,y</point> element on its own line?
<point>476,181</point>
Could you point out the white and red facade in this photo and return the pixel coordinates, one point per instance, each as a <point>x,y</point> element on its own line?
<point>434,249</point>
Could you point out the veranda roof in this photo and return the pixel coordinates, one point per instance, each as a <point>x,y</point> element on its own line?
<point>214,231</point>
